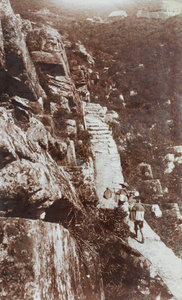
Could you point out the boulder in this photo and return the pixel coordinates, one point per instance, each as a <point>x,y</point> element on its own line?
<point>144,171</point>
<point>71,127</point>
<point>46,47</point>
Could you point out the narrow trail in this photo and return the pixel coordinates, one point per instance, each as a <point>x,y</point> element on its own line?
<point>106,157</point>
<point>165,263</point>
<point>109,174</point>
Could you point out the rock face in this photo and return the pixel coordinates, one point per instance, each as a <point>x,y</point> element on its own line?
<point>49,56</point>
<point>73,248</point>
<point>39,259</point>
<point>42,261</point>
<point>29,174</point>
<point>17,72</point>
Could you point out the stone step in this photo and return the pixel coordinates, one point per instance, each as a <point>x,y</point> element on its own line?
<point>96,109</point>
<point>97,126</point>
<point>92,127</point>
<point>98,133</point>
<point>93,106</point>
<point>94,121</point>
<point>99,140</point>
<point>91,110</point>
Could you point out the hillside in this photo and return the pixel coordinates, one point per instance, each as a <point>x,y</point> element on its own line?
<point>139,67</point>
<point>84,107</point>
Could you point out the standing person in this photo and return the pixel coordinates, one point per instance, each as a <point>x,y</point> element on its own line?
<point>123,193</point>
<point>137,216</point>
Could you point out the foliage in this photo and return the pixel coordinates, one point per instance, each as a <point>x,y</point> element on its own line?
<point>83,145</point>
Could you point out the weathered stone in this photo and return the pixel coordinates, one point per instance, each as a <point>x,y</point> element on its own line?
<point>26,166</point>
<point>111,117</point>
<point>21,73</point>
<point>26,26</point>
<point>71,127</point>
<point>43,261</point>
<point>71,156</point>
<point>80,50</point>
<point>63,105</point>
<point>48,53</point>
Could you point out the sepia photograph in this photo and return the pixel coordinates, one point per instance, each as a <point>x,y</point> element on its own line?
<point>91,150</point>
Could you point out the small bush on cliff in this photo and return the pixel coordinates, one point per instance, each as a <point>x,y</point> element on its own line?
<point>83,145</point>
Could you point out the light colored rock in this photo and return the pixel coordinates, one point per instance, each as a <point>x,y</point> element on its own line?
<point>81,50</point>
<point>118,13</point>
<point>71,127</point>
<point>169,168</point>
<point>169,157</point>
<point>111,117</point>
<point>71,156</point>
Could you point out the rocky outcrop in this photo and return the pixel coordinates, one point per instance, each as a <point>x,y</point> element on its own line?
<point>80,50</point>
<point>42,178</point>
<point>43,261</point>
<point>17,74</point>
<point>39,259</point>
<point>30,178</point>
<point>49,56</point>
<point>46,47</point>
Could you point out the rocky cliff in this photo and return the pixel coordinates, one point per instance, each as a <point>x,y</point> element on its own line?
<point>39,259</point>
<point>59,238</point>
<point>18,75</point>
<point>43,261</point>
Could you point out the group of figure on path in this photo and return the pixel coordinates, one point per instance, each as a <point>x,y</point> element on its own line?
<point>135,208</point>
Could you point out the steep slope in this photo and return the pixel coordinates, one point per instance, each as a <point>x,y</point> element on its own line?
<point>39,258</point>
<point>76,250</point>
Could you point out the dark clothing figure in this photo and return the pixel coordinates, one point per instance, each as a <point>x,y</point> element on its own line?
<point>107,194</point>
<point>137,216</point>
<point>121,196</point>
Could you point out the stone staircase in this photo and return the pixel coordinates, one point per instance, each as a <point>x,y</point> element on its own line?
<point>108,173</point>
<point>107,165</point>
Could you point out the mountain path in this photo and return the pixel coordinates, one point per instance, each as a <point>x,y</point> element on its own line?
<point>108,173</point>
<point>107,163</point>
<point>164,262</point>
